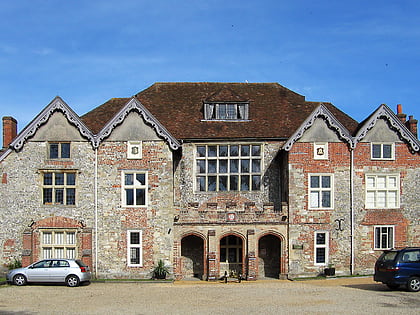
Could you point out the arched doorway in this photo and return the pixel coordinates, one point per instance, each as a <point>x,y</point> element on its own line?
<point>192,257</point>
<point>231,255</point>
<point>269,249</point>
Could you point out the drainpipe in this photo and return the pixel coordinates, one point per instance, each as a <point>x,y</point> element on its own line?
<point>96,212</point>
<point>352,210</point>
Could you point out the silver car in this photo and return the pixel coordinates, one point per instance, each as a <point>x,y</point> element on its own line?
<point>69,271</point>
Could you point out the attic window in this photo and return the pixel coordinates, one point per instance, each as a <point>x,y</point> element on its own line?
<point>226,111</point>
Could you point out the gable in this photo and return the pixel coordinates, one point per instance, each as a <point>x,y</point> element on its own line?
<point>133,128</point>
<point>58,128</point>
<point>319,132</point>
<point>381,132</point>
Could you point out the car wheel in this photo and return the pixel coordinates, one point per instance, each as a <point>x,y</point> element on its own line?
<point>19,280</point>
<point>72,281</point>
<point>393,286</point>
<point>413,284</point>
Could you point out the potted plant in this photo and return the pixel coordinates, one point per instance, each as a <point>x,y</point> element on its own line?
<point>160,271</point>
<point>330,270</point>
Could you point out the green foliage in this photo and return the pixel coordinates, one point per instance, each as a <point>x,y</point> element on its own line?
<point>15,264</point>
<point>160,270</point>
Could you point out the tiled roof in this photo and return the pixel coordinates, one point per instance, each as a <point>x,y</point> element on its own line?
<point>274,111</point>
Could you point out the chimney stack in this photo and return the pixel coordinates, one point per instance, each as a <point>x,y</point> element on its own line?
<point>402,117</point>
<point>412,125</point>
<point>9,131</point>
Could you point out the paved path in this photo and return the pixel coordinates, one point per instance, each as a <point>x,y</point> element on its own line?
<point>331,296</point>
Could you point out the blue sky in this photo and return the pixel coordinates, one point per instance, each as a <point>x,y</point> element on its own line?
<point>355,54</point>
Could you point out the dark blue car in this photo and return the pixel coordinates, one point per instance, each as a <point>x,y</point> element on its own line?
<point>399,267</point>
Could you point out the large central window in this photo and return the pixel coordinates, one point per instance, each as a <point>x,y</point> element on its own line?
<point>228,167</point>
<point>58,244</point>
<point>382,191</point>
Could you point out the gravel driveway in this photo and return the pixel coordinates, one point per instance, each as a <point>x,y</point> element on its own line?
<point>332,296</point>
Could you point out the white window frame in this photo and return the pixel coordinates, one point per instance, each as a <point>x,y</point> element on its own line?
<point>135,186</point>
<point>254,172</point>
<point>58,243</point>
<point>55,188</point>
<point>375,192</point>
<point>320,191</point>
<point>134,150</point>
<point>381,157</point>
<point>321,246</point>
<point>138,247</point>
<point>321,151</point>
<point>390,243</point>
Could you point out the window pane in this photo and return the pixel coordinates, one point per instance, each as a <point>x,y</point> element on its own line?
<point>59,178</point>
<point>71,238</point>
<point>201,183</point>
<point>314,199</point>
<point>47,195</point>
<point>387,151</point>
<point>256,166</point>
<point>212,166</point>
<point>223,150</point>
<point>245,166</point>
<point>326,182</point>
<point>326,199</point>
<point>234,166</point>
<point>201,151</point>
<point>48,178</point>
<point>376,151</point>
<point>245,150</point>
<point>46,238</point>
<point>59,196</point>
<point>212,151</point>
<point>129,179</point>
<point>201,166</point>
<point>234,150</point>
<point>377,237</point>
<point>321,239</point>
<point>53,150</point>
<point>370,199</point>
<point>244,182</point>
<point>320,255</point>
<point>141,178</point>
<point>223,166</point>
<point>70,196</point>
<point>314,181</point>
<point>221,111</point>
<point>65,150</point>
<point>211,183</point>
<point>370,182</point>
<point>71,253</point>
<point>134,238</point>
<point>381,182</point>
<point>381,199</point>
<point>223,254</point>
<point>392,199</point>
<point>47,252</point>
<point>392,182</point>
<point>234,179</point>
<point>71,178</point>
<point>140,197</point>
<point>223,182</point>
<point>135,256</point>
<point>129,197</point>
<point>256,150</point>
<point>256,180</point>
<point>231,111</point>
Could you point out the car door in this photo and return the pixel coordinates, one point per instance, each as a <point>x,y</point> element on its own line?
<point>410,263</point>
<point>59,270</point>
<point>39,272</point>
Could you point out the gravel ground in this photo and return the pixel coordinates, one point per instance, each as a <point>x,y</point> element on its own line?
<point>331,296</point>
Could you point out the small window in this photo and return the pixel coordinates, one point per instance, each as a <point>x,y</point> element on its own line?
<point>226,111</point>
<point>321,248</point>
<point>320,151</point>
<point>384,237</point>
<point>382,151</point>
<point>59,150</point>
<point>134,248</point>
<point>134,189</point>
<point>134,150</point>
<point>320,191</point>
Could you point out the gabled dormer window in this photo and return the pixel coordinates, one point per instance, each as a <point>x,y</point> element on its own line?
<point>226,111</point>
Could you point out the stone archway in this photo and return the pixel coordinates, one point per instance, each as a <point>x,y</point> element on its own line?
<point>269,255</point>
<point>192,257</point>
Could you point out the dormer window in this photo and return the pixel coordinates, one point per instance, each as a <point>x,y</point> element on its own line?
<point>226,111</point>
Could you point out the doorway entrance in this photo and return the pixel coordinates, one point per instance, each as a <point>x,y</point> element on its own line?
<point>231,255</point>
<point>192,257</point>
<point>269,247</point>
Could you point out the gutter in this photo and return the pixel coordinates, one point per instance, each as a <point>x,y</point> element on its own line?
<point>351,211</point>
<point>96,212</point>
